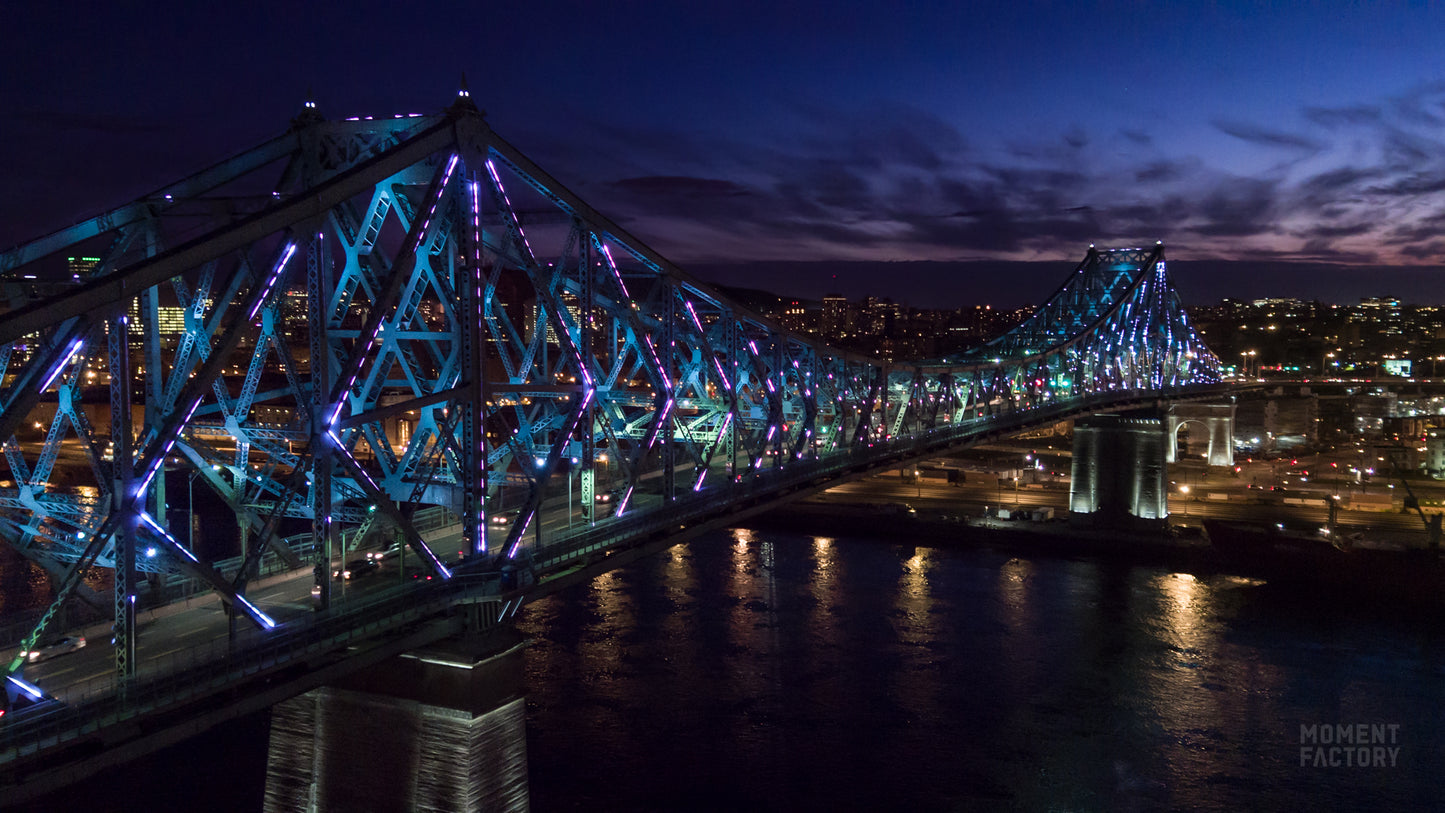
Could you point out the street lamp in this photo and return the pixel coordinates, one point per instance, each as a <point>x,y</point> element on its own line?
<point>1249,356</point>
<point>1184,490</point>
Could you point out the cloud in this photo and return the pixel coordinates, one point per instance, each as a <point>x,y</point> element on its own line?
<point>1238,208</point>
<point>890,182</point>
<point>1137,137</point>
<point>1434,250</point>
<point>1353,115</point>
<point>1265,137</point>
<point>1419,183</point>
<point>680,186</point>
<point>1159,171</point>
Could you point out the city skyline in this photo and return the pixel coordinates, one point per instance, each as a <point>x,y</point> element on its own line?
<point>954,156</point>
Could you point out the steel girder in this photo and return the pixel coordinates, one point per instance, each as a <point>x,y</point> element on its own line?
<point>362,317</point>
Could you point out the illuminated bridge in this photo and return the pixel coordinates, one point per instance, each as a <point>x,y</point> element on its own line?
<point>401,328</point>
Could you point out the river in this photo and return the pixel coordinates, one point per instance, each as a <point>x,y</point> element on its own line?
<point>766,671</point>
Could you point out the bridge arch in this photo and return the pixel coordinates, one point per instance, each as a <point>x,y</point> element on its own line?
<point>1217,423</point>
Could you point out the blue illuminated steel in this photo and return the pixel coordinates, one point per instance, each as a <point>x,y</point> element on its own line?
<point>461,277</point>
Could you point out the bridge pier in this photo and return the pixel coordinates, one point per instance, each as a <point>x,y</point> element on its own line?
<point>1217,420</point>
<point>437,729</point>
<point>1119,472</point>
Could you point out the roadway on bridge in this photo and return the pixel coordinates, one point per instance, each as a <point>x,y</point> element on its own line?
<point>198,630</point>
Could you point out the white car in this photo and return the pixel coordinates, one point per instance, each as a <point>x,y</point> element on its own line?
<point>390,552</point>
<point>69,643</point>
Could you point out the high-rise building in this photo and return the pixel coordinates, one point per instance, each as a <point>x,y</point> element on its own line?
<point>81,267</point>
<point>835,314</point>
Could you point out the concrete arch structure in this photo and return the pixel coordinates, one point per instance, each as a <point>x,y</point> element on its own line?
<point>1217,421</point>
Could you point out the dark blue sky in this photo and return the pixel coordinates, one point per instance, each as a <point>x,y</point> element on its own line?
<point>728,134</point>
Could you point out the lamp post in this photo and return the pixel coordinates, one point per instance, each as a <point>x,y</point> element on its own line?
<point>1184,491</point>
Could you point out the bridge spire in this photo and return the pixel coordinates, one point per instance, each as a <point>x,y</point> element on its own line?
<point>464,97</point>
<point>309,114</point>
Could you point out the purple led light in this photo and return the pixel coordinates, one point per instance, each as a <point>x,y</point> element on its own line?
<point>24,686</point>
<point>727,385</point>
<point>695,320</point>
<point>615,273</point>
<point>511,213</point>
<point>256,613</point>
<point>271,281</point>
<point>726,420</point>
<point>70,352</point>
<point>170,540</point>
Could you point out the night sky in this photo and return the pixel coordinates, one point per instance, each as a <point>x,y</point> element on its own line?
<point>950,154</point>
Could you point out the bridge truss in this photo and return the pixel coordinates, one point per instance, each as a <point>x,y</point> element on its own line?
<point>358,318</point>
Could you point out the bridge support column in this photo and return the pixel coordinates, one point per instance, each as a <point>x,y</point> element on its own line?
<point>440,729</point>
<point>1119,472</point>
<point>1217,421</point>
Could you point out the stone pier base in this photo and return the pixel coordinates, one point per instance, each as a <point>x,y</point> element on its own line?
<point>438,730</point>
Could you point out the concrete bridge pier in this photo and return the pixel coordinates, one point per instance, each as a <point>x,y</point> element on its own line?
<point>437,729</point>
<point>1217,423</point>
<point>1119,472</point>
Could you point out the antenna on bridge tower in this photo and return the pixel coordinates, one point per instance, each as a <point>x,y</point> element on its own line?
<point>309,114</point>
<point>464,97</point>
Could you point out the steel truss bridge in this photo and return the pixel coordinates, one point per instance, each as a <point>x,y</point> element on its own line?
<point>362,326</point>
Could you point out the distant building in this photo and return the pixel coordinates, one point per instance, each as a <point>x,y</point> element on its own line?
<point>1435,453</point>
<point>835,315</point>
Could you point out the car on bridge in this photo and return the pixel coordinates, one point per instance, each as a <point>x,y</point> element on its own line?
<point>355,569</point>
<point>61,646</point>
<point>389,552</point>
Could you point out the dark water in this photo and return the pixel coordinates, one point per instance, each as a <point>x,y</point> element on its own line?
<point>775,672</point>
<point>764,671</point>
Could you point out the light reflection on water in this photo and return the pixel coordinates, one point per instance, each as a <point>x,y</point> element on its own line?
<point>762,670</point>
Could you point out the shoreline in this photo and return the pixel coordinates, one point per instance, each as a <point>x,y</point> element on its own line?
<point>1415,578</point>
